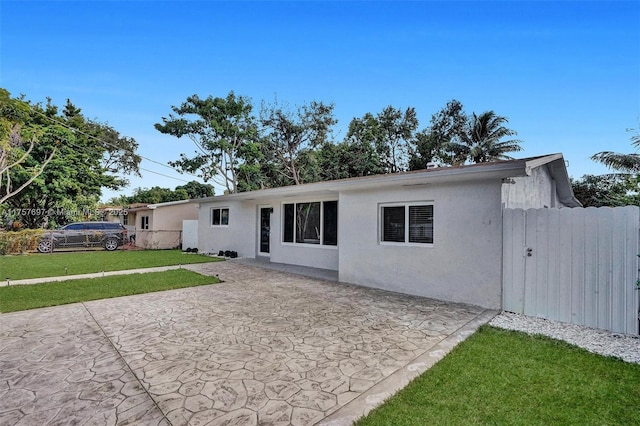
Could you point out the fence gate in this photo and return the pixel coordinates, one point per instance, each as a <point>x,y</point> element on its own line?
<point>575,265</point>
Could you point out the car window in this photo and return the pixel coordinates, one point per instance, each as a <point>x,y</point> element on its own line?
<point>74,227</point>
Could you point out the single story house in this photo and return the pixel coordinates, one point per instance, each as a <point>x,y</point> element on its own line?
<point>125,216</point>
<point>159,226</point>
<point>434,232</point>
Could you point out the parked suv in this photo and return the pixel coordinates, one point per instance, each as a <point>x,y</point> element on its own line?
<point>109,235</point>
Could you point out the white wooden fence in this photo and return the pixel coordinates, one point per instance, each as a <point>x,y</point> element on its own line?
<point>573,265</point>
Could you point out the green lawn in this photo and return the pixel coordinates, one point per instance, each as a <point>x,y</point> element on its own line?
<point>22,297</point>
<point>501,377</point>
<point>59,264</point>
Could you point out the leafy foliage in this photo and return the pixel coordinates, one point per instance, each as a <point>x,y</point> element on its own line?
<point>15,151</point>
<point>290,146</point>
<point>607,190</point>
<point>16,242</point>
<point>71,160</point>
<point>223,131</point>
<point>625,163</point>
<point>389,134</point>
<point>482,140</point>
<point>290,135</point>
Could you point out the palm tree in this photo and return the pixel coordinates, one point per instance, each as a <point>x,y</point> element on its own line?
<point>625,163</point>
<point>481,140</point>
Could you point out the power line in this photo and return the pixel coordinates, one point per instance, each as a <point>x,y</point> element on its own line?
<point>167,176</point>
<point>73,129</point>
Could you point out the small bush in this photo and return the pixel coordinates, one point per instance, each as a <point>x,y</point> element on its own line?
<point>16,242</point>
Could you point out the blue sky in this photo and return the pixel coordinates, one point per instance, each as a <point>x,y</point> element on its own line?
<point>565,74</point>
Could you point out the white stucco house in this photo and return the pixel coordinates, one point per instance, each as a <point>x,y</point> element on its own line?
<point>434,233</point>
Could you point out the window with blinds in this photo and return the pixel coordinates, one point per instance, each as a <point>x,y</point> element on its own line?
<point>421,224</point>
<point>393,224</point>
<point>407,223</point>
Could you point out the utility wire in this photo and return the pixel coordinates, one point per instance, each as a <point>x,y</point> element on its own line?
<point>73,129</point>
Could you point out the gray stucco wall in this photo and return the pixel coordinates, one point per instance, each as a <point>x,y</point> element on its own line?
<point>531,192</point>
<point>463,265</point>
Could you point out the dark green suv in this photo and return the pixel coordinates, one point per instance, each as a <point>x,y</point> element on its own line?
<point>109,235</point>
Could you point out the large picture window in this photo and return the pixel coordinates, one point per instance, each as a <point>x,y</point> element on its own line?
<point>311,223</point>
<point>407,223</point>
<point>220,217</point>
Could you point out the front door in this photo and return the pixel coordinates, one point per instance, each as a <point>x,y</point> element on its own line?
<point>265,227</point>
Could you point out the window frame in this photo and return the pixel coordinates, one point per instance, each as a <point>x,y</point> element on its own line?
<point>143,225</point>
<point>407,223</point>
<point>293,233</point>
<point>220,216</point>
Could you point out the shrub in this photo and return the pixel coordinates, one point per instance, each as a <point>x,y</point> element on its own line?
<point>16,242</point>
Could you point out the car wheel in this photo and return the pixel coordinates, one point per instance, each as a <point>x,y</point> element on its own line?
<point>45,246</point>
<point>111,244</point>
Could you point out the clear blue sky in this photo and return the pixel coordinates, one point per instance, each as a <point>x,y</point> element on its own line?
<point>565,74</point>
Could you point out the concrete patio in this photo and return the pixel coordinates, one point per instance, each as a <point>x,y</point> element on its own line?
<point>264,347</point>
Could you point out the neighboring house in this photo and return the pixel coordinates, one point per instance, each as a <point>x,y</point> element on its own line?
<point>159,226</point>
<point>434,233</point>
<point>125,216</point>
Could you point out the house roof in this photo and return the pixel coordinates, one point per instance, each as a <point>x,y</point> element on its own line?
<point>481,171</point>
<point>168,203</point>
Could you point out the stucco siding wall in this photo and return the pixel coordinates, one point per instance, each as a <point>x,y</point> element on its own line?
<point>463,265</point>
<point>531,192</point>
<point>169,218</point>
<point>238,236</point>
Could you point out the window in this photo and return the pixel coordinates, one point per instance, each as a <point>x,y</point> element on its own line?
<point>311,223</point>
<point>144,222</point>
<point>219,217</point>
<point>308,223</point>
<point>409,223</point>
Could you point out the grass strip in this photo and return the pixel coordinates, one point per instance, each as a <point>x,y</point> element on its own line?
<point>23,297</point>
<point>505,377</point>
<point>75,263</point>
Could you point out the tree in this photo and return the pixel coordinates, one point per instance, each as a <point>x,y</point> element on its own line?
<point>195,189</point>
<point>223,131</point>
<point>291,135</point>
<point>350,158</point>
<point>428,149</point>
<point>15,151</point>
<point>89,156</point>
<point>455,138</point>
<point>442,141</point>
<point>606,190</point>
<point>625,163</point>
<point>482,141</point>
<point>157,195</point>
<point>390,133</point>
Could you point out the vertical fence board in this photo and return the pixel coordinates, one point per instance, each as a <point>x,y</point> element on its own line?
<point>554,253</point>
<point>578,265</point>
<point>583,266</point>
<point>565,278</point>
<point>591,267</point>
<point>530,275</point>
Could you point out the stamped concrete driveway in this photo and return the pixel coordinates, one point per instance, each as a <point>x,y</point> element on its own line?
<point>264,347</point>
